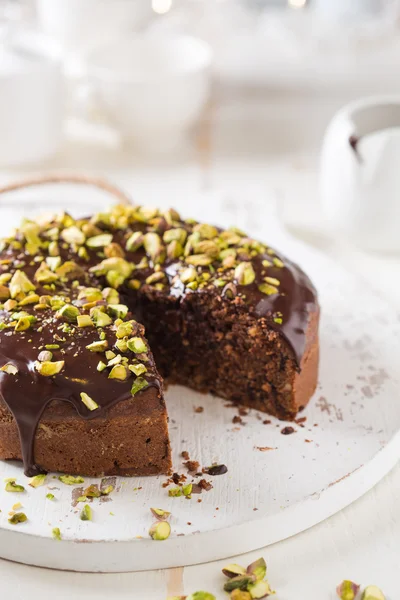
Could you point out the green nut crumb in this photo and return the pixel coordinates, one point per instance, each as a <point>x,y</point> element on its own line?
<point>56,533</point>
<point>71,479</point>
<point>37,480</point>
<point>160,531</point>
<point>18,517</point>
<point>86,514</point>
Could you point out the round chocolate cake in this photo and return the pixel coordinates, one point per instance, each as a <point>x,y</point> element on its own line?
<point>96,311</point>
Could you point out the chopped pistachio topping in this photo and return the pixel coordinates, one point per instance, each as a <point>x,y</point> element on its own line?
<point>232,570</point>
<point>50,496</point>
<point>22,324</point>
<point>56,533</point>
<point>48,369</point>
<point>244,273</point>
<point>100,318</point>
<point>139,384</point>
<point>37,481</point>
<point>119,372</point>
<point>99,241</point>
<point>160,514</point>
<point>268,289</point>
<point>277,262</point>
<point>372,592</point>
<point>73,235</point>
<point>68,312</point>
<point>11,486</point>
<point>117,311</point>
<point>18,517</point>
<point>258,568</point>
<point>88,401</point>
<point>101,366</point>
<point>98,346</point>
<point>175,492</point>
<point>9,368</point>
<point>84,321</point>
<point>107,490</point>
<point>86,514</point>
<point>187,490</point>
<point>20,283</point>
<point>160,531</point>
<point>138,369</point>
<point>137,345</point>
<point>92,491</point>
<point>71,479</point>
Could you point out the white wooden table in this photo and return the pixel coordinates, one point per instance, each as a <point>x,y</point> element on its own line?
<point>362,541</point>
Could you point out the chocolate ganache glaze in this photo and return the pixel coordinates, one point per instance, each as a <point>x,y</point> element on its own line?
<point>67,288</point>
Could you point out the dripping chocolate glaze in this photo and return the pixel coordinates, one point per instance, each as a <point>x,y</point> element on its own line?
<point>27,394</point>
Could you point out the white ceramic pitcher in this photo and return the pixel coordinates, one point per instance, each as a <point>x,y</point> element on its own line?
<point>360,173</point>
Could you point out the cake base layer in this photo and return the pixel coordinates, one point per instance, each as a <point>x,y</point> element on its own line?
<point>131,439</point>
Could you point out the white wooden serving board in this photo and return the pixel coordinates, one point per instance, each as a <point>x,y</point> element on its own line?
<point>350,440</point>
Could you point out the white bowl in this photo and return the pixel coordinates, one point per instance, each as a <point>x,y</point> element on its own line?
<point>152,89</point>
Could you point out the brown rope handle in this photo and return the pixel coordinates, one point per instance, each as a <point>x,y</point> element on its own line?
<point>101,184</point>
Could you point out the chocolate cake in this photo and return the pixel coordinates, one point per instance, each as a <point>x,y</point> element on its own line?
<point>80,390</point>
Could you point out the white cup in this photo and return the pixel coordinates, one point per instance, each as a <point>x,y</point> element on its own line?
<point>152,89</point>
<point>360,175</point>
<point>31,100</point>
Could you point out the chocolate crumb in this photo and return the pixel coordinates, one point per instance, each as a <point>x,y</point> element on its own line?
<point>198,409</point>
<point>192,465</point>
<point>243,412</point>
<point>288,430</point>
<point>205,485</point>
<point>265,448</point>
<point>308,441</point>
<point>267,421</point>
<point>185,454</point>
<point>199,500</point>
<point>255,508</point>
<point>237,419</point>
<point>217,470</point>
<point>300,420</point>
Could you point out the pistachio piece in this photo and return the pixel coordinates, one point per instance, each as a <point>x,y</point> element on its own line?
<point>201,596</point>
<point>134,241</point>
<point>84,321</point>
<point>107,490</point>
<point>138,369</point>
<point>119,372</point>
<point>100,318</point>
<point>347,590</point>
<point>53,262</point>
<point>50,496</point>
<point>272,280</point>
<point>240,595</point>
<point>155,277</point>
<point>88,401</point>
<point>117,311</point>
<point>175,235</point>
<point>99,241</point>
<point>98,346</point>
<point>244,273</point>
<point>174,249</point>
<point>187,490</point>
<point>68,312</point>
<point>86,514</point>
<point>136,345</point>
<point>258,568</point>
<point>22,324</point>
<point>18,517</point>
<point>31,299</point>
<point>92,491</point>
<point>70,270</point>
<point>372,592</point>
<point>277,262</point>
<point>116,265</point>
<point>101,366</point>
<point>139,384</point>
<point>38,480</point>
<point>160,531</point>
<point>199,260</point>
<point>188,275</point>
<point>73,235</point>
<point>56,533</point>
<point>114,249</point>
<point>11,486</point>
<point>9,368</point>
<point>44,274</point>
<point>124,329</point>
<point>70,479</point>
<point>175,492</point>
<point>229,291</point>
<point>121,345</point>
<point>20,283</point>
<point>259,589</point>
<point>53,249</point>
<point>48,369</point>
<point>160,514</point>
<point>268,289</point>
<point>232,570</point>
<point>171,215</point>
<point>207,232</point>
<point>4,293</point>
<point>153,247</point>
<point>10,305</point>
<point>240,582</point>
<point>207,247</point>
<point>5,278</point>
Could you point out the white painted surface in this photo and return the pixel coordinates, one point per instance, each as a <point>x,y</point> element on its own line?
<point>361,541</point>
